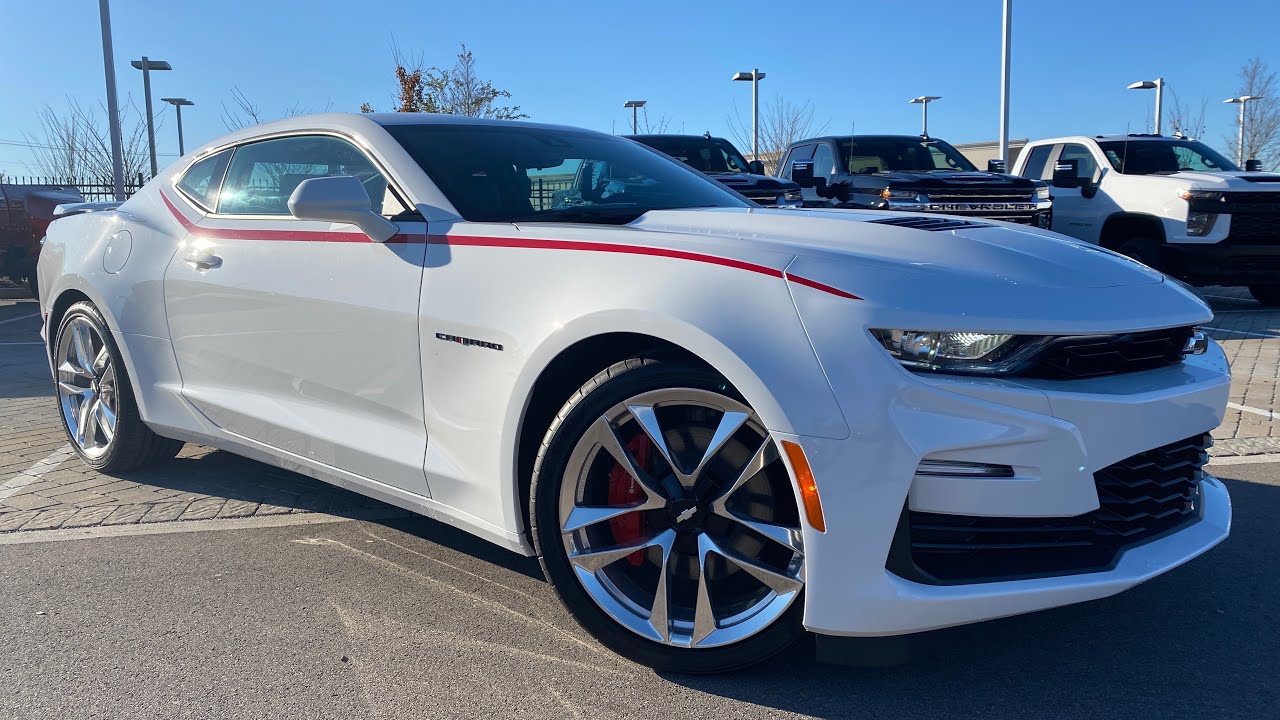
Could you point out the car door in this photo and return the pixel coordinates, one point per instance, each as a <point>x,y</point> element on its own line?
<point>1075,212</point>
<point>301,336</point>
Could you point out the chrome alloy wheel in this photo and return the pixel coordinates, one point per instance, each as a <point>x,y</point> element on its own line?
<point>87,389</point>
<point>679,520</point>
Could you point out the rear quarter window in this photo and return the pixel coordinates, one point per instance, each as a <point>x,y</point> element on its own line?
<point>203,179</point>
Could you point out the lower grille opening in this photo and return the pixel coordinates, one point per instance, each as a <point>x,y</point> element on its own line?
<point>1141,498</point>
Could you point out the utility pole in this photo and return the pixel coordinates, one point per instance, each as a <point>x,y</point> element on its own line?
<point>635,106</point>
<point>755,76</point>
<point>146,65</point>
<point>177,104</point>
<point>1004,82</point>
<point>113,107</point>
<point>1241,101</point>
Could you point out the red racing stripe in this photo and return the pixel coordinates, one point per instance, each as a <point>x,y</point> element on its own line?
<point>500,242</point>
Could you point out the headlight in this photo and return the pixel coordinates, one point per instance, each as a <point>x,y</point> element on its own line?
<point>793,195</point>
<point>968,352</point>
<point>904,195</point>
<point>1200,224</point>
<point>1042,193</point>
<point>1190,195</point>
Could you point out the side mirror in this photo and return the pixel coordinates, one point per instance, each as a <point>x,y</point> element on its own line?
<point>1066,174</point>
<point>996,166</point>
<point>342,199</point>
<point>756,167</point>
<point>802,173</point>
<point>1253,165</point>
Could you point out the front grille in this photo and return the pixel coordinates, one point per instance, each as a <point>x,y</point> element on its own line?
<point>1086,356</point>
<point>981,195</point>
<point>1140,498</point>
<point>1254,229</point>
<point>1244,198</point>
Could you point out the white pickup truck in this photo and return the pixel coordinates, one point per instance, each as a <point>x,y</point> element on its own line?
<point>1172,203</point>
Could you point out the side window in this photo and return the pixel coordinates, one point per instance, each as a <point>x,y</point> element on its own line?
<point>262,175</point>
<point>1086,166</point>
<point>824,162</point>
<point>202,180</point>
<point>1036,162</point>
<point>802,152</point>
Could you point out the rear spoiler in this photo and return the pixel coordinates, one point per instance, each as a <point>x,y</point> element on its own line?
<point>67,209</point>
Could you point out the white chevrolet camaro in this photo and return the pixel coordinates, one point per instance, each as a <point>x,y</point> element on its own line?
<point>717,425</point>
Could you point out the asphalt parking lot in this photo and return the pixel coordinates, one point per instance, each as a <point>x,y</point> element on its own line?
<point>220,587</point>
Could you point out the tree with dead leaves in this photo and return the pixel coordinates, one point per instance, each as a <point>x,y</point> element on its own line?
<point>1185,118</point>
<point>782,122</point>
<point>1261,117</point>
<point>75,144</point>
<point>454,91</point>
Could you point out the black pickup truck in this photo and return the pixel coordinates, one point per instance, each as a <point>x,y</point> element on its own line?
<point>718,158</point>
<point>914,173</point>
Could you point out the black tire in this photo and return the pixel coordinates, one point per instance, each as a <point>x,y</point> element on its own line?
<point>614,385</point>
<point>134,445</point>
<point>34,285</point>
<point>1268,295</point>
<point>1144,250</point>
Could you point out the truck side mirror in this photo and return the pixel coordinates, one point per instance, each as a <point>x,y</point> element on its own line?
<point>1066,174</point>
<point>1253,165</point>
<point>802,173</point>
<point>756,167</point>
<point>996,166</point>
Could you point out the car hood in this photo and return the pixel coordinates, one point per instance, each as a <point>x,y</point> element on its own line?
<point>986,252</point>
<point>1250,181</point>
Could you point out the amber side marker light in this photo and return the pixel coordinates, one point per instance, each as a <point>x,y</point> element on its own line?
<point>808,488</point>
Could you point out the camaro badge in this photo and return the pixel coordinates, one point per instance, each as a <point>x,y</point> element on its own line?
<point>468,341</point>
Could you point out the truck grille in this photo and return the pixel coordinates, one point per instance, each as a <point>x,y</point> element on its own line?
<point>980,195</point>
<point>1250,229</point>
<point>1140,498</point>
<point>1088,356</point>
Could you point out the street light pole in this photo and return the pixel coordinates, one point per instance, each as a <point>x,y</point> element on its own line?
<point>1158,85</point>
<point>1241,101</point>
<point>177,104</point>
<point>635,106</point>
<point>146,65</point>
<point>113,108</point>
<point>755,76</point>
<point>1004,83</point>
<point>924,101</point>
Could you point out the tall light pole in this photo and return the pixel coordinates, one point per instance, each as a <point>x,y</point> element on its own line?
<point>755,76</point>
<point>146,65</point>
<point>1241,101</point>
<point>1005,48</point>
<point>177,104</point>
<point>113,108</point>
<point>635,105</point>
<point>924,101</point>
<point>1158,85</point>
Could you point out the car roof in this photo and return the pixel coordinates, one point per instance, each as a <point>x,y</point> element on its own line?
<point>1132,137</point>
<point>857,137</point>
<point>676,136</point>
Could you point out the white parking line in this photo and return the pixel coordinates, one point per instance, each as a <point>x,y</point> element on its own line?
<point>186,526</point>
<point>35,472</point>
<point>33,342</point>
<point>1269,414</point>
<point>1241,332</point>
<point>1245,459</point>
<point>20,317</point>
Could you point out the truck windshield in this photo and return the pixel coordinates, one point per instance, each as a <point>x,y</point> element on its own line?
<point>1163,157</point>
<point>867,155</point>
<point>710,155</point>
<point>519,173</point>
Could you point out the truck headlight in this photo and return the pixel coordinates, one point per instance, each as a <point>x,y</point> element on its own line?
<point>904,195</point>
<point>1200,224</point>
<point>793,197</point>
<point>1042,193</point>
<point>966,352</point>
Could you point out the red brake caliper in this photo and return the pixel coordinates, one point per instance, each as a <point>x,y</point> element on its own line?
<point>623,490</point>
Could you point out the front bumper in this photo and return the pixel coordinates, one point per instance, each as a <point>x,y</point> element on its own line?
<point>1224,263</point>
<point>1056,434</point>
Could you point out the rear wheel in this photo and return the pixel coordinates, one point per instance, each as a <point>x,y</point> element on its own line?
<point>96,400</point>
<point>667,522</point>
<point>1268,295</point>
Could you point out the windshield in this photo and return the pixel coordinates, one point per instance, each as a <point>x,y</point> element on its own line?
<point>709,155</point>
<point>518,173</point>
<point>1163,157</point>
<point>867,155</point>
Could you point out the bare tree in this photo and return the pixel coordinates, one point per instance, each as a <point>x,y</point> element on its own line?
<point>76,143</point>
<point>653,127</point>
<point>781,123</point>
<point>1185,118</point>
<point>243,112</point>
<point>455,91</point>
<point>1262,116</point>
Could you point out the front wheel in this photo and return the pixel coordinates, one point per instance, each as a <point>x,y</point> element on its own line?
<point>1268,295</point>
<point>1144,250</point>
<point>98,408</point>
<point>667,522</point>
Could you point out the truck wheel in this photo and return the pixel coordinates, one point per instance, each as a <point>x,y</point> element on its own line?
<point>35,287</point>
<point>1268,295</point>
<point>1144,250</point>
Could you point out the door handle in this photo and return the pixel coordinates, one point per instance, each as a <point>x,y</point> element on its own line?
<point>203,260</point>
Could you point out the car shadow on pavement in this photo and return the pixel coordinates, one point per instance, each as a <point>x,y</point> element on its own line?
<point>1199,642</point>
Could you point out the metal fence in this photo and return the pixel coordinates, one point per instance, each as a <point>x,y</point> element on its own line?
<point>91,189</point>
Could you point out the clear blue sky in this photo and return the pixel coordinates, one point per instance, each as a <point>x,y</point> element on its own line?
<point>576,63</point>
